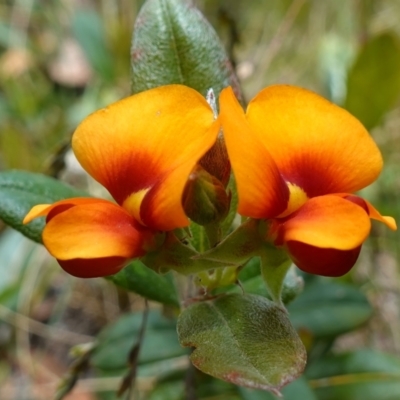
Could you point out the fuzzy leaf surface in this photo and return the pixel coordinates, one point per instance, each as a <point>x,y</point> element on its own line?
<point>174,43</point>
<point>243,339</point>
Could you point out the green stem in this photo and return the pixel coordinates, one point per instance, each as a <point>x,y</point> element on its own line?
<point>274,265</point>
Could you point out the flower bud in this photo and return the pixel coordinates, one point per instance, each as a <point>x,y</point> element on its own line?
<point>205,200</point>
<point>216,161</point>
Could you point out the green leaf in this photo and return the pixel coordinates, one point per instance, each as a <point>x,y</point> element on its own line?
<point>243,243</point>
<point>115,342</point>
<point>198,237</point>
<point>89,31</point>
<point>275,263</point>
<point>363,374</point>
<point>173,43</point>
<point>327,309</point>
<point>252,282</point>
<point>296,390</point>
<point>175,255</point>
<point>244,339</point>
<point>336,55</point>
<point>17,254</point>
<point>373,84</point>
<point>226,225</point>
<point>136,277</point>
<point>174,390</point>
<point>21,190</point>
<point>299,389</point>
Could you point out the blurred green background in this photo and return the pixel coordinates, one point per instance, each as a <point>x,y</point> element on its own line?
<point>61,60</point>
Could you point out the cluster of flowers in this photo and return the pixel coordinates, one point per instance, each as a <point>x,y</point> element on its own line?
<point>296,159</point>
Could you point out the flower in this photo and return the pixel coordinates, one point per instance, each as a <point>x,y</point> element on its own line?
<point>297,159</point>
<point>142,149</point>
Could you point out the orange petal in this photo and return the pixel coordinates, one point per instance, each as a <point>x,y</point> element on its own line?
<point>261,189</point>
<point>161,207</point>
<point>325,262</point>
<point>371,210</point>
<point>136,143</point>
<point>327,222</point>
<point>92,231</point>
<point>317,145</point>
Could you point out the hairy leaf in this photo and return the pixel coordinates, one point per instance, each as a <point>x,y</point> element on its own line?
<point>244,339</point>
<point>173,43</point>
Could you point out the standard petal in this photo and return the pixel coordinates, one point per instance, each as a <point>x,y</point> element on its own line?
<point>134,144</point>
<point>326,222</point>
<point>325,262</point>
<point>317,145</point>
<point>261,189</point>
<point>93,231</point>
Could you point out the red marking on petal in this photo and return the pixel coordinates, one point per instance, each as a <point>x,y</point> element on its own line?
<point>314,178</point>
<point>142,140</point>
<point>315,144</point>
<point>137,173</point>
<point>93,268</point>
<point>58,209</point>
<point>325,262</point>
<point>359,201</point>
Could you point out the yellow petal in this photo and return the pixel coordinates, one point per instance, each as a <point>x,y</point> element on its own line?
<point>262,191</point>
<point>317,145</point>
<point>136,143</point>
<point>35,212</point>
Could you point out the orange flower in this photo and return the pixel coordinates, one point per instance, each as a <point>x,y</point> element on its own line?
<point>142,149</point>
<point>297,158</point>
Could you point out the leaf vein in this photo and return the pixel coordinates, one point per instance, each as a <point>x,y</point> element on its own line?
<point>242,353</point>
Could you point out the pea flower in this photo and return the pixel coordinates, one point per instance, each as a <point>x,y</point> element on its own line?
<point>142,150</point>
<point>297,160</point>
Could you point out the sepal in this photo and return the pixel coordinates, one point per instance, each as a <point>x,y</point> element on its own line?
<point>205,199</point>
<point>216,160</point>
<point>242,244</point>
<point>275,264</point>
<point>175,255</point>
<point>219,277</point>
